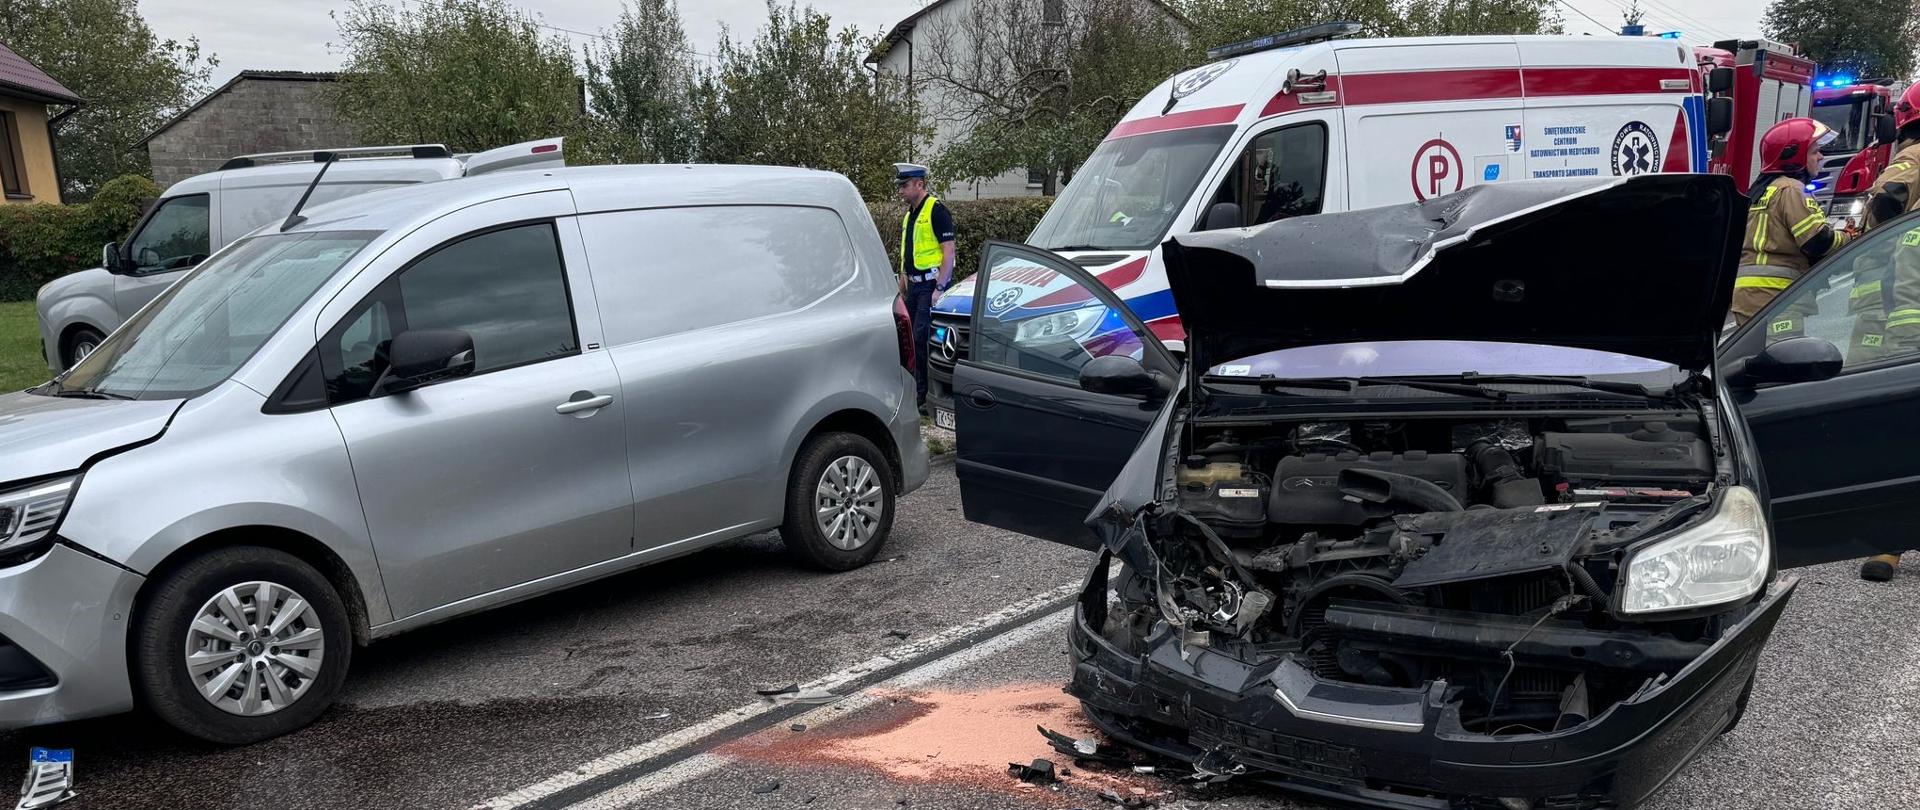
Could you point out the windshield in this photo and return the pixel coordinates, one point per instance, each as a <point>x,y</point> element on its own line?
<point>1129,191</point>
<point>1447,358</point>
<point>1848,120</point>
<point>200,330</point>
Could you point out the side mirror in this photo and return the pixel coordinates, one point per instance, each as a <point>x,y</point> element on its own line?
<point>420,357</point>
<point>1883,129</point>
<point>1222,215</point>
<point>1719,80</point>
<point>1796,359</point>
<point>110,257</point>
<point>1121,376</point>
<point>1719,115</point>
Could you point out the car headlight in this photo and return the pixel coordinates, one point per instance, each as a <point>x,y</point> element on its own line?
<point>1074,323</point>
<point>1722,560</point>
<point>29,514</point>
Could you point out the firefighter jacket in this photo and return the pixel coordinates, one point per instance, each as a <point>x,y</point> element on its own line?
<point>1786,233</point>
<point>1895,193</point>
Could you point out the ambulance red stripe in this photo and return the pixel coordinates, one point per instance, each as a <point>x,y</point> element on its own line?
<point>1180,120</point>
<point>1479,84</point>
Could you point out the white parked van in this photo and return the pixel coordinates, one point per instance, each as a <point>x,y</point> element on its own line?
<point>1299,124</point>
<point>201,214</point>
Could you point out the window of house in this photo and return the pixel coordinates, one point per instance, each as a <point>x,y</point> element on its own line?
<point>13,171</point>
<point>1036,177</point>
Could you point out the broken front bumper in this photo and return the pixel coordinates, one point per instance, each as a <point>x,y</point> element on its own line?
<point>1402,748</point>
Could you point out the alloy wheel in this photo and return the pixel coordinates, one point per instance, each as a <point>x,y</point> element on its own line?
<point>847,502</point>
<point>255,648</point>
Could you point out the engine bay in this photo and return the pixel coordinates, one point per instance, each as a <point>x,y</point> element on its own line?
<point>1478,552</point>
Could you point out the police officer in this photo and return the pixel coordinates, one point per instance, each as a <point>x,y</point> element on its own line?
<point>1786,230</point>
<point>1886,309</point>
<point>926,259</point>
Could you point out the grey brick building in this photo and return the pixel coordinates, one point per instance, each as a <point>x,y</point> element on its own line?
<point>257,111</point>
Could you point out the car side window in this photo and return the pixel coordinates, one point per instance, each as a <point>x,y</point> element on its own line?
<point>1281,174</point>
<point>1036,319</point>
<point>506,288</point>
<point>1866,300</point>
<point>174,237</point>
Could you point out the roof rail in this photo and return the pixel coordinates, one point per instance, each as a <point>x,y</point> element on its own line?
<point>417,151</point>
<point>1298,36</point>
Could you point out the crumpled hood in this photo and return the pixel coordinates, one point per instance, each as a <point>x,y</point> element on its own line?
<point>47,435</point>
<point>1641,266</point>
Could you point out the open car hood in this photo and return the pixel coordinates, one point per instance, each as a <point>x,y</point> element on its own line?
<point>1641,266</point>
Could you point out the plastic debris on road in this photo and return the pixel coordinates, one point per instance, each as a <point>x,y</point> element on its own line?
<point>49,778</point>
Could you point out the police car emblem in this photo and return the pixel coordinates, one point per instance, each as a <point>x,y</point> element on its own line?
<point>1004,300</point>
<point>1190,82</point>
<point>1636,150</point>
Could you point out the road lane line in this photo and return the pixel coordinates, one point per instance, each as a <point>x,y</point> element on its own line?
<point>702,764</point>
<point>689,735</point>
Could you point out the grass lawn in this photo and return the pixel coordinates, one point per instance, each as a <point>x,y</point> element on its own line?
<point>21,365</point>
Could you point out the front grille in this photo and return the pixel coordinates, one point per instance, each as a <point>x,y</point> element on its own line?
<point>937,356</point>
<point>1279,752</point>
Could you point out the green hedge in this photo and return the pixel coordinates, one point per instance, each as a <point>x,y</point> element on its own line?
<point>1008,219</point>
<point>42,242</point>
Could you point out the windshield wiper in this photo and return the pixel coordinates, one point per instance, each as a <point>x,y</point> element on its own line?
<point>54,388</point>
<point>1079,247</point>
<point>1609,386</point>
<point>1352,385</point>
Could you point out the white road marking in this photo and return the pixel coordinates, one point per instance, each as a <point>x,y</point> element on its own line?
<point>720,722</point>
<point>694,767</point>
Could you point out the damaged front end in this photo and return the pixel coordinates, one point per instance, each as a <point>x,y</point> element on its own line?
<point>1431,593</point>
<point>1431,612</point>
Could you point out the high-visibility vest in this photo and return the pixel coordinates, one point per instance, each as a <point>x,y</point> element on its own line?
<point>926,248</point>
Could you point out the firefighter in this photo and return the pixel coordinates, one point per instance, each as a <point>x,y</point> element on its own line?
<point>1786,230</point>
<point>1886,308</point>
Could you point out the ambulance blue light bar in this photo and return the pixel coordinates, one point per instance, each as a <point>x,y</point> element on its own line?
<point>1298,36</point>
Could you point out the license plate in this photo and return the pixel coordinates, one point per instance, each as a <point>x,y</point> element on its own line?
<point>943,418</point>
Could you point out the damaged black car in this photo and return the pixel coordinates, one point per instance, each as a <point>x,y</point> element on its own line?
<point>1446,506</point>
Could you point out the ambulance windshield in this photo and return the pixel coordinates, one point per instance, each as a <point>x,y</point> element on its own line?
<point>1129,190</point>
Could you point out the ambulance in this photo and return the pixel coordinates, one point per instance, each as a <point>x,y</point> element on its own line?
<point>1307,122</point>
<point>1861,114</point>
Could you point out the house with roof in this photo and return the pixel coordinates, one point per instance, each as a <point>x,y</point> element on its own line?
<point>929,48</point>
<point>29,164</point>
<point>256,111</point>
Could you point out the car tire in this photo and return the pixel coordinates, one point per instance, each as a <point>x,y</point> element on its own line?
<point>78,345</point>
<point>176,656</point>
<point>840,502</point>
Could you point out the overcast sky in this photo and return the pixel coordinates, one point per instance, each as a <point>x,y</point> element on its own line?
<point>299,34</point>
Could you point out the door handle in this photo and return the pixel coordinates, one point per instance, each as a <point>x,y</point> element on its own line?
<point>981,398</point>
<point>591,403</point>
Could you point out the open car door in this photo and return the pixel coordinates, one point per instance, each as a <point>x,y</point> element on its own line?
<point>1841,460</point>
<point>1055,389</point>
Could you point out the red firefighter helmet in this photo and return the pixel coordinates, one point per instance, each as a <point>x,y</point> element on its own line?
<point>1907,109</point>
<point>1785,147</point>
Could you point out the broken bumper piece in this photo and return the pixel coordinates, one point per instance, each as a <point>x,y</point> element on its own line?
<point>1402,748</point>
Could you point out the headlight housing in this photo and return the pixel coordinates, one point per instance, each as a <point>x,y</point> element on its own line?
<point>1073,323</point>
<point>29,514</point>
<point>1722,560</point>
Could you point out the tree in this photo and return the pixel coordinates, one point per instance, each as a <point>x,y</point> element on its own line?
<point>640,81</point>
<point>1426,18</point>
<point>1221,21</point>
<point>131,80</point>
<point>1037,85</point>
<point>1633,14</point>
<point>473,74</point>
<point>1866,38</point>
<point>799,95</point>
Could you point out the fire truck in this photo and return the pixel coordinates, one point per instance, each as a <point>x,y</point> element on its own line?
<point>1861,113</point>
<point>1751,85</point>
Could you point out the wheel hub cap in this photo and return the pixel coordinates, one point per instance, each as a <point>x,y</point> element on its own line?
<point>848,502</point>
<point>255,648</point>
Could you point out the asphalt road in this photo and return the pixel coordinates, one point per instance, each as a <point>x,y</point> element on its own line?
<point>638,691</point>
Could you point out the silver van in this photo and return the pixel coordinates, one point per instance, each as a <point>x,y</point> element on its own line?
<point>427,401</point>
<point>201,214</point>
